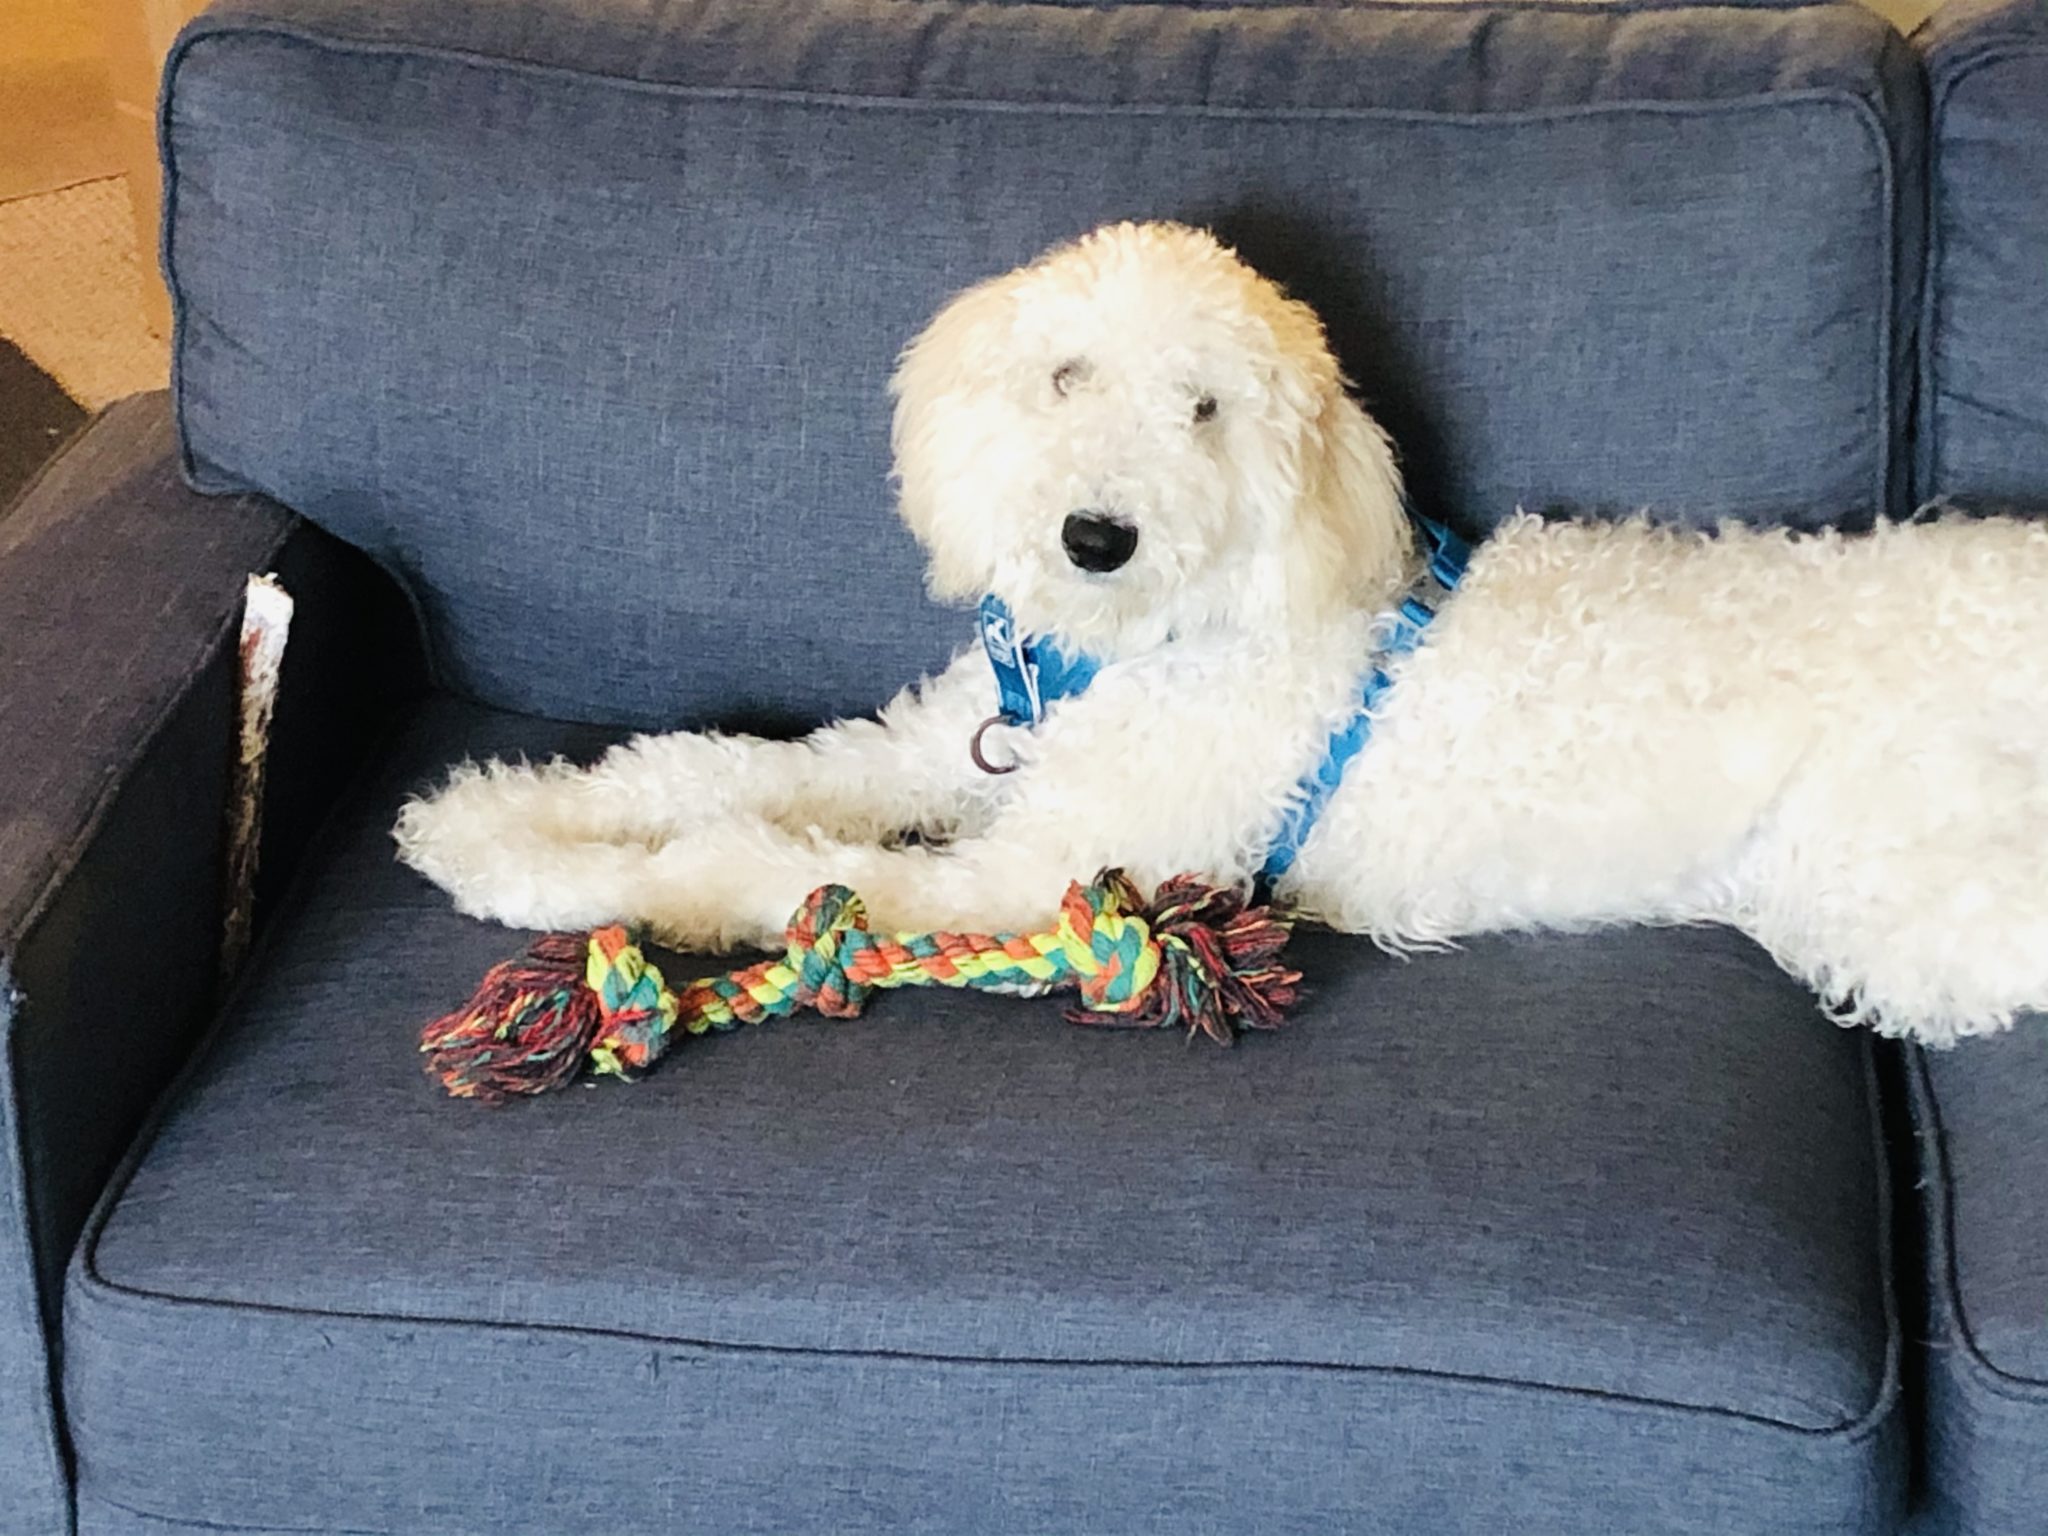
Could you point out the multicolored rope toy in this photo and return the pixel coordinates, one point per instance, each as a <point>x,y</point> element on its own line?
<point>1196,957</point>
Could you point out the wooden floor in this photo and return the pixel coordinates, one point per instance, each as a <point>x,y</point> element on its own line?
<point>57,123</point>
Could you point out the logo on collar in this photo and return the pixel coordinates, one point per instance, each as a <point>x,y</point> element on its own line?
<point>1032,673</point>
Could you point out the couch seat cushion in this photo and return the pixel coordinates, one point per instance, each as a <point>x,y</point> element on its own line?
<point>1983,1121</point>
<point>1568,1235</point>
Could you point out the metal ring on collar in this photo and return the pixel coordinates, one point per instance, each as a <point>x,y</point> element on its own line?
<point>974,748</point>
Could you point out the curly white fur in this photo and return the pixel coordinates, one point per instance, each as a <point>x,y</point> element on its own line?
<point>1838,744</point>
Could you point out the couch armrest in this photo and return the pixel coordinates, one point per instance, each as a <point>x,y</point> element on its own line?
<point>120,601</point>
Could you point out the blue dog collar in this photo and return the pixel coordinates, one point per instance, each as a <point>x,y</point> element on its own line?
<point>1033,673</point>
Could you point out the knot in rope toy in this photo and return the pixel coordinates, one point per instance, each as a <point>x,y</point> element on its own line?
<point>1196,957</point>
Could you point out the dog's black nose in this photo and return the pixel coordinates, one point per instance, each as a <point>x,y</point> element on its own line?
<point>1097,543</point>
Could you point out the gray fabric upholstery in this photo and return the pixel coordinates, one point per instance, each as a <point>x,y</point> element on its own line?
<point>1563,1236</point>
<point>1983,423</point>
<point>1983,1129</point>
<point>120,591</point>
<point>579,318</point>
<point>107,559</point>
<point>118,594</point>
<point>1982,1109</point>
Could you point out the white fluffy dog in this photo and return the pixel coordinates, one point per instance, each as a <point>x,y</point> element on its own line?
<point>1838,744</point>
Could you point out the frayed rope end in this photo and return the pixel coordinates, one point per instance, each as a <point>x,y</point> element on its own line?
<point>1219,960</point>
<point>528,1029</point>
<point>572,1000</point>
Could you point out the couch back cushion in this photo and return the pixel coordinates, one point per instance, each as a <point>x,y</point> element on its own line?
<point>1983,421</point>
<point>579,318</point>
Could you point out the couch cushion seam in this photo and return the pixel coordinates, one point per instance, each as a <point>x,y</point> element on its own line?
<point>1889,1384</point>
<point>142,1299</point>
<point>207,29</point>
<point>1945,1278</point>
<point>196,1523</point>
<point>50,1429</point>
<point>1933,310</point>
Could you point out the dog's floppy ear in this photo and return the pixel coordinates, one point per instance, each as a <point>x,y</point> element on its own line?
<point>943,437</point>
<point>1337,535</point>
<point>1353,503</point>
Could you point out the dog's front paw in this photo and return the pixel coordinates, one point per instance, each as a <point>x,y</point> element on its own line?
<point>461,834</point>
<point>491,839</point>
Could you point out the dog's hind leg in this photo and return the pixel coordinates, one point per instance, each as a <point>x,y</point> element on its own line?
<point>1914,900</point>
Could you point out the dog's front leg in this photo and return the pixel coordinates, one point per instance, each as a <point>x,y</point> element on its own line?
<point>555,845</point>
<point>854,780</point>
<point>1094,793</point>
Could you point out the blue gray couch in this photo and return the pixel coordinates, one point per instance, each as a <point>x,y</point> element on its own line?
<point>541,347</point>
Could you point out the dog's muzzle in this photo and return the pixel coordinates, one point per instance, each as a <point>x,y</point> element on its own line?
<point>1097,543</point>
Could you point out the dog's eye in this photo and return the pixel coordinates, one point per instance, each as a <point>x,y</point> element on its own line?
<point>1067,375</point>
<point>1205,408</point>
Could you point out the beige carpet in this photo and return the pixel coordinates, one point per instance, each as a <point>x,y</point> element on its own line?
<point>70,291</point>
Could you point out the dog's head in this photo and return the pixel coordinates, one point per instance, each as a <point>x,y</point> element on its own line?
<point>1138,435</point>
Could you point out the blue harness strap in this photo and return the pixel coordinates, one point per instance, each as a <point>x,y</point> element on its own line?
<point>1443,569</point>
<point>1032,673</point>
